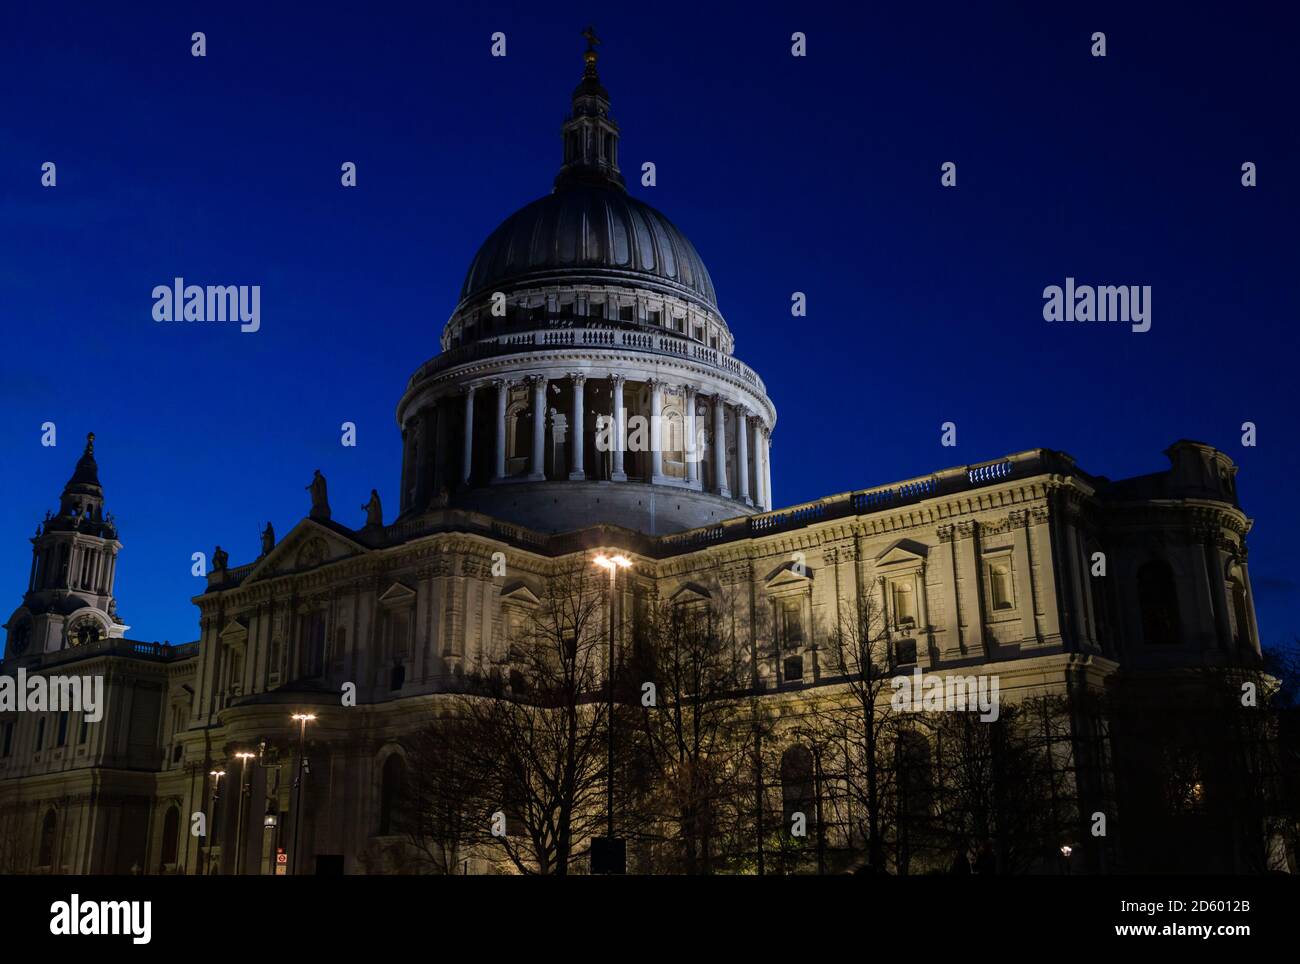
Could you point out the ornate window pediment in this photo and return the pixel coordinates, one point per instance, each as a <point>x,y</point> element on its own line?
<point>517,592</point>
<point>790,575</point>
<point>398,594</point>
<point>902,554</point>
<point>688,593</point>
<point>235,631</point>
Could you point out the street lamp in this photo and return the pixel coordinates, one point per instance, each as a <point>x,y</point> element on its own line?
<point>216,795</point>
<point>244,756</point>
<point>608,859</point>
<point>302,719</point>
<point>1066,850</point>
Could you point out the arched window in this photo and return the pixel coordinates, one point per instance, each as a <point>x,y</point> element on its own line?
<point>49,827</point>
<point>390,792</point>
<point>798,789</point>
<point>171,834</point>
<point>904,604</point>
<point>1158,598</point>
<point>673,442</point>
<point>915,788</point>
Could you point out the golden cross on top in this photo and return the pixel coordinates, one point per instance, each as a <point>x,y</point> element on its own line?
<point>592,39</point>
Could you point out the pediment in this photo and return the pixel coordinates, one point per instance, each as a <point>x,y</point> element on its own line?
<point>789,574</point>
<point>235,630</point>
<point>690,592</point>
<point>309,545</point>
<point>397,594</point>
<point>518,592</point>
<point>902,552</point>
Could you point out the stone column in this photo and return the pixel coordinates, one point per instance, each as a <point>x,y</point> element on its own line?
<point>503,393</point>
<point>576,471</point>
<point>767,467</point>
<point>537,465</point>
<point>760,500</point>
<point>692,453</point>
<point>467,460</point>
<point>720,446</point>
<point>1215,569</point>
<point>1250,601</point>
<point>742,455</point>
<point>620,429</point>
<point>969,601</point>
<point>656,430</point>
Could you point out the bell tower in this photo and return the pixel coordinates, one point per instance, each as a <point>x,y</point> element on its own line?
<point>69,599</point>
<point>590,134</point>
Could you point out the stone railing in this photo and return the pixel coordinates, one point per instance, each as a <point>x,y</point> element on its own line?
<point>628,339</point>
<point>880,499</point>
<point>133,648</point>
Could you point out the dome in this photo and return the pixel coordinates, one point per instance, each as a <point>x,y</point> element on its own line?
<point>589,231</point>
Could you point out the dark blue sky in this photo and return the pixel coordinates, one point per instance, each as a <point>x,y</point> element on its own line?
<point>818,175</point>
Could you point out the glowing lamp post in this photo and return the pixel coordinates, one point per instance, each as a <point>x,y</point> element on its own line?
<point>302,719</point>
<point>216,795</point>
<point>243,758</point>
<point>608,854</point>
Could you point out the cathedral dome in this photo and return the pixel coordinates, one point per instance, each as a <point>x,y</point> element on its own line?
<point>586,374</point>
<point>589,231</point>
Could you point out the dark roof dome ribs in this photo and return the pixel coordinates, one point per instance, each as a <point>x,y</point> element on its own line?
<point>589,230</point>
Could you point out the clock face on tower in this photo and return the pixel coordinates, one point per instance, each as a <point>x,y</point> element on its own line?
<point>84,631</point>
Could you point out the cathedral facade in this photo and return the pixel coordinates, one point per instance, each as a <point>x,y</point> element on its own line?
<point>587,399</point>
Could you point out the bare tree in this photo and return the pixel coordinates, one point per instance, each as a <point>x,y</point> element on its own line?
<point>1005,794</point>
<point>688,747</point>
<point>858,717</point>
<point>515,769</point>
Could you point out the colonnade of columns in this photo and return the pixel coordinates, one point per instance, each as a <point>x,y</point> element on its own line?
<point>752,477</point>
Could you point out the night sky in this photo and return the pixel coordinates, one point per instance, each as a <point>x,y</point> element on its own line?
<point>816,174</point>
